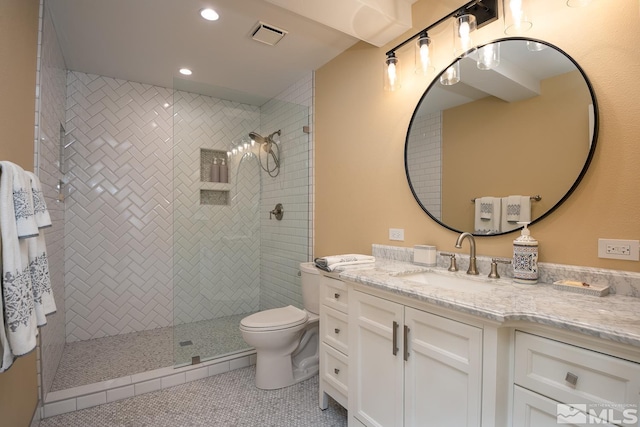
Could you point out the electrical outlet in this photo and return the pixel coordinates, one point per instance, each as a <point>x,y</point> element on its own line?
<point>396,234</point>
<point>619,249</point>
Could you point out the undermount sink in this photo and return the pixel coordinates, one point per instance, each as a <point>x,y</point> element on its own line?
<point>451,281</point>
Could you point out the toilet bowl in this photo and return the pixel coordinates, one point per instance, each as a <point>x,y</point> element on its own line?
<point>286,339</point>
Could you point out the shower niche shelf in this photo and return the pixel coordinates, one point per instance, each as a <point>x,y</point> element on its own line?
<point>214,197</point>
<point>211,192</point>
<point>207,156</point>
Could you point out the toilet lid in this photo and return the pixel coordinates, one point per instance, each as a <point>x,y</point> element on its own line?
<point>276,318</point>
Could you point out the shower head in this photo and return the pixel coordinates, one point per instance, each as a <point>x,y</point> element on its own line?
<point>268,144</point>
<point>257,138</point>
<point>264,141</point>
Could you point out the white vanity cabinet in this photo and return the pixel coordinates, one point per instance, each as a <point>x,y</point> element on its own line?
<point>334,345</point>
<point>409,367</point>
<point>548,372</point>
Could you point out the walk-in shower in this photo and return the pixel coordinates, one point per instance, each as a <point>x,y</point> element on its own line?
<point>161,262</point>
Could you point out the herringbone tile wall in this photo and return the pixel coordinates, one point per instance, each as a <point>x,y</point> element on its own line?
<point>119,219</point>
<point>141,252</point>
<point>52,99</point>
<point>216,247</point>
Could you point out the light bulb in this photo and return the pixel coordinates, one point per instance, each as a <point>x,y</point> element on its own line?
<point>423,55</point>
<point>391,75</point>
<point>234,151</point>
<point>451,75</point>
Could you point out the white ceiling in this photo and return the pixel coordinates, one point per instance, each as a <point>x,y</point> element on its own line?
<point>147,41</point>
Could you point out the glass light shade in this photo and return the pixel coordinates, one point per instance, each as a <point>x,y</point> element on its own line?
<point>391,73</point>
<point>489,56</point>
<point>516,16</point>
<point>423,55</point>
<point>451,75</point>
<point>535,46</point>
<point>463,26</point>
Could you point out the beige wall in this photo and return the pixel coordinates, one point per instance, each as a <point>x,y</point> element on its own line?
<point>361,189</point>
<point>539,147</point>
<point>18,50</point>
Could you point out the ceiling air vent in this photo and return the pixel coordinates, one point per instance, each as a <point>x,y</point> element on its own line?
<point>267,34</point>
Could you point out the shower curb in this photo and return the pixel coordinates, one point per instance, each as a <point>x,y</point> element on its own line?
<point>87,396</point>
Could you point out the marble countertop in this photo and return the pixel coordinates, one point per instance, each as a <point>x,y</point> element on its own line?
<point>612,317</point>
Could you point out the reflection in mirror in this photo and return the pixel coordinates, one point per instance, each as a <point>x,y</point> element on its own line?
<point>478,152</point>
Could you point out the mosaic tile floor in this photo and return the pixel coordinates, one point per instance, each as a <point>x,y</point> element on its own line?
<point>229,399</point>
<point>101,359</point>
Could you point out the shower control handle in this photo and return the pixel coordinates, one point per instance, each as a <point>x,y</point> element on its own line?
<point>278,212</point>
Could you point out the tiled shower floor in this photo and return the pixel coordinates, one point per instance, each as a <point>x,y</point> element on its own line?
<point>101,359</point>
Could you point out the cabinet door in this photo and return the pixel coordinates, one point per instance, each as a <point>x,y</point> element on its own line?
<point>443,371</point>
<point>375,361</point>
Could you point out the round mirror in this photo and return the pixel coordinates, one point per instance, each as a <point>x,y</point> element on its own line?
<point>503,135</point>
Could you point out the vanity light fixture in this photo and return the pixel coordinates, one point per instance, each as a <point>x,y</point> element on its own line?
<point>451,75</point>
<point>516,16</point>
<point>470,16</point>
<point>488,56</point>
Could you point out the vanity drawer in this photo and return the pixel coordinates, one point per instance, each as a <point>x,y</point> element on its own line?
<point>571,374</point>
<point>334,294</point>
<point>334,329</point>
<point>334,369</point>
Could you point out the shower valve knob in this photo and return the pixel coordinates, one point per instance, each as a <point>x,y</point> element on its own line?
<point>278,212</point>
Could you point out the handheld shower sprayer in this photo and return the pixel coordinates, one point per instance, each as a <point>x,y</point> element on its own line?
<point>267,144</point>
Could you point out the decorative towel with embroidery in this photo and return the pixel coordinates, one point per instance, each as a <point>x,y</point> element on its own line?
<point>38,262</point>
<point>19,329</point>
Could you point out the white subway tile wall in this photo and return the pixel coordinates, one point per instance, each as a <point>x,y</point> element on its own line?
<point>424,160</point>
<point>285,244</point>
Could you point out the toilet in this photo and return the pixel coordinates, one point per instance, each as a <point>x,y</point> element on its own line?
<point>286,339</point>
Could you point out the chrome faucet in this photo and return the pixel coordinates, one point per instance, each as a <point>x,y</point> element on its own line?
<point>473,268</point>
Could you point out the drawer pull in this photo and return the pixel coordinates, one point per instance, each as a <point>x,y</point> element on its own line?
<point>337,331</point>
<point>336,296</point>
<point>571,378</point>
<point>336,370</point>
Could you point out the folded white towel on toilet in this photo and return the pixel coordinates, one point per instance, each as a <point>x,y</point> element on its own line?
<point>330,263</point>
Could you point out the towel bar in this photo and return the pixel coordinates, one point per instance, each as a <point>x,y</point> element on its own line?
<point>536,198</point>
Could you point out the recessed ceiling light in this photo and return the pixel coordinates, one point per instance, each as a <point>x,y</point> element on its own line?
<point>185,71</point>
<point>209,14</point>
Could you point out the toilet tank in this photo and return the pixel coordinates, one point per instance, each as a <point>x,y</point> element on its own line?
<point>310,287</point>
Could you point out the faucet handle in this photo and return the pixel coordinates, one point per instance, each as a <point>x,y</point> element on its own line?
<point>453,265</point>
<point>494,266</point>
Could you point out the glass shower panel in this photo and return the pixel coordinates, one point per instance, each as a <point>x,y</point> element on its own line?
<point>230,258</point>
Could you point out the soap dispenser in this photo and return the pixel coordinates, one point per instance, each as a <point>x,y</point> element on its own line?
<point>525,257</point>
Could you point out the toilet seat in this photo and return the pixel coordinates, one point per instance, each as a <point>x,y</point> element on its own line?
<point>275,319</point>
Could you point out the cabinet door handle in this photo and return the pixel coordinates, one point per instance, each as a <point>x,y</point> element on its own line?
<point>571,378</point>
<point>406,343</point>
<point>395,338</point>
<point>336,330</point>
<point>336,296</point>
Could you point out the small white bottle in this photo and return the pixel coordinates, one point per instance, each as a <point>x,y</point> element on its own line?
<point>224,172</point>
<point>525,257</point>
<point>215,171</point>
